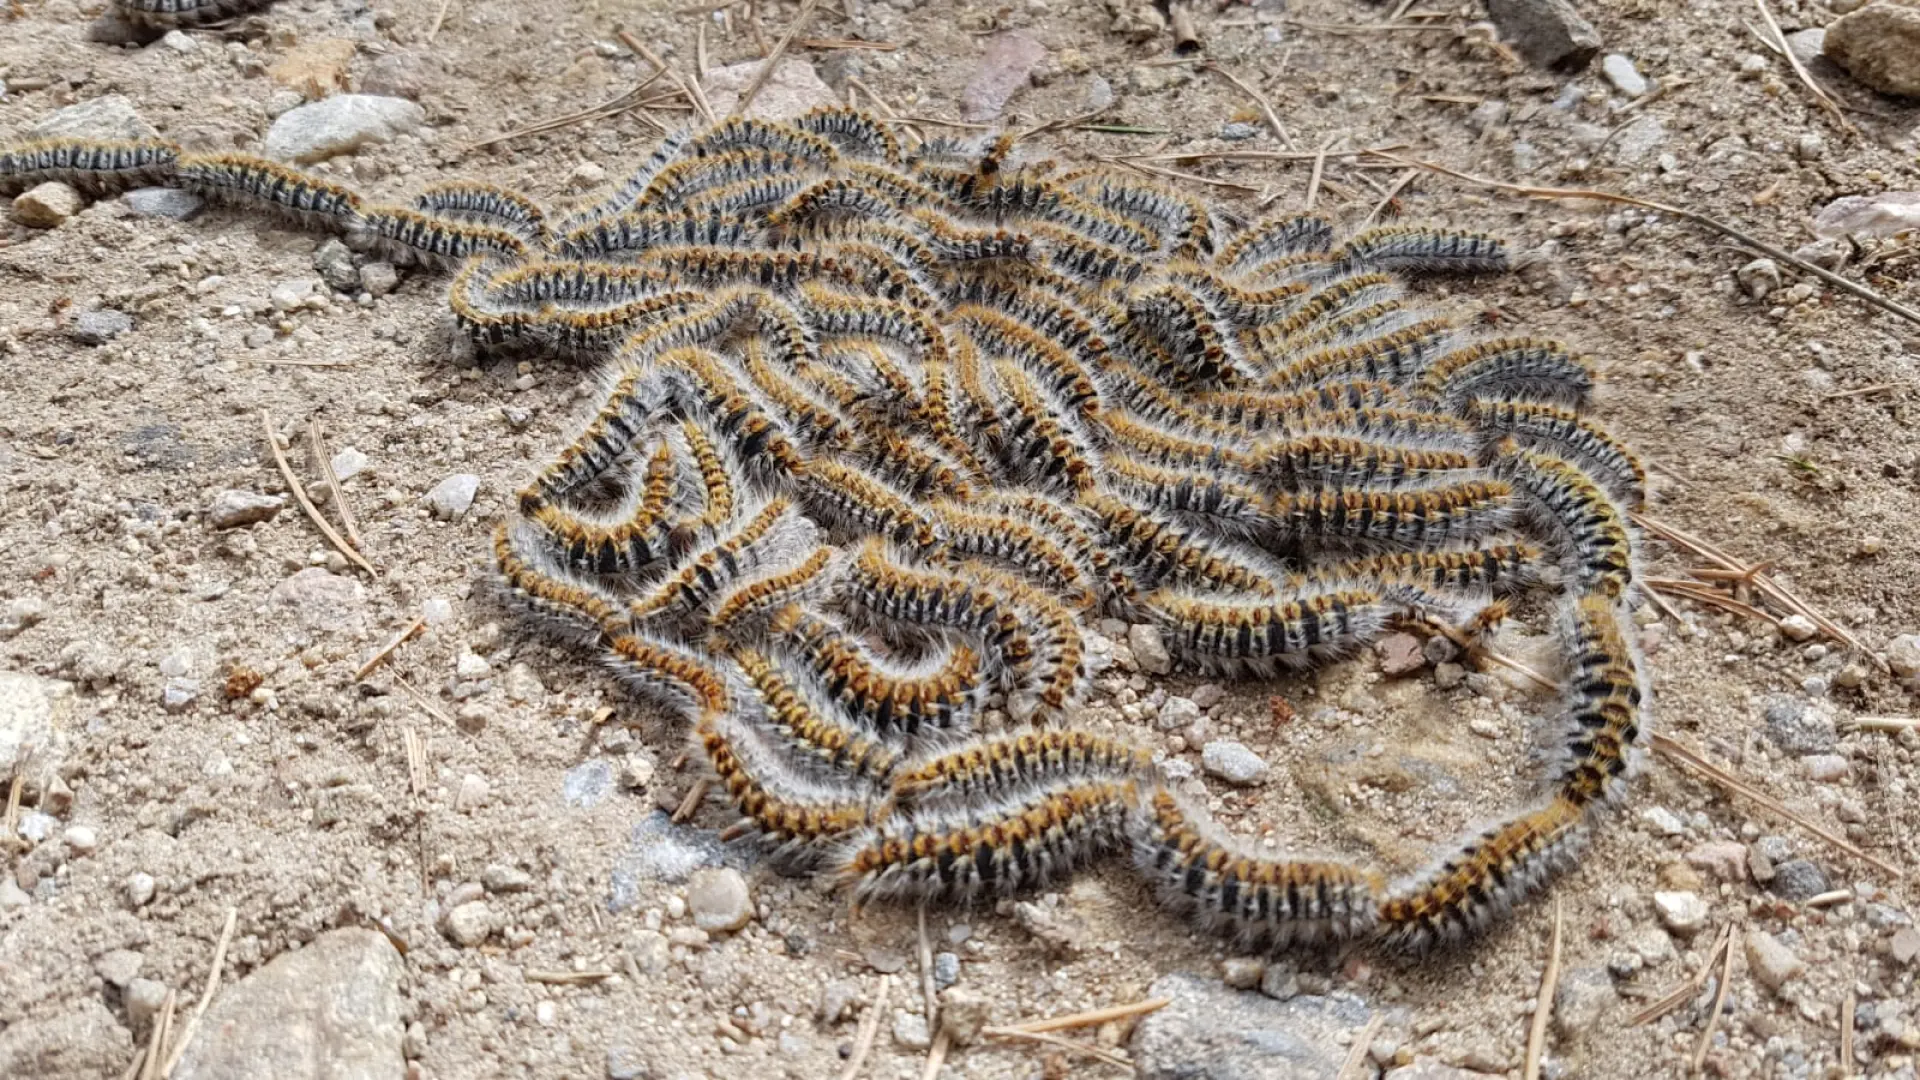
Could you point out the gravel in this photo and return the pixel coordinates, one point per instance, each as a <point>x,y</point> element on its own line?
<point>1625,78</point>
<point>469,924</point>
<point>1798,727</point>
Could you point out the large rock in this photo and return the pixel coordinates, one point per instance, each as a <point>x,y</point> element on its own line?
<point>793,88</point>
<point>330,1011</point>
<point>340,125</point>
<point>1550,33</point>
<point>109,117</point>
<point>1208,1032</point>
<point>29,707</point>
<point>1879,45</point>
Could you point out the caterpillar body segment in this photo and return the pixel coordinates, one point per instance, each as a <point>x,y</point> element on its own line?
<point>1484,879</point>
<point>102,165</point>
<point>1257,901</point>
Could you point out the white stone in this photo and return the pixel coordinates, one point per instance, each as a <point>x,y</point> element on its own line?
<point>1684,913</point>
<point>1233,762</point>
<point>471,666</point>
<point>1625,78</point>
<point>1798,627</point>
<point>469,923</point>
<point>1149,649</point>
<point>232,509</point>
<point>1177,713</point>
<point>340,125</point>
<point>348,463</point>
<point>1772,963</point>
<point>794,88</point>
<point>111,116</point>
<point>29,706</point>
<point>436,611</point>
<point>81,840</point>
<point>1662,821</point>
<point>719,900</point>
<point>1903,655</point>
<point>140,888</point>
<point>453,497</point>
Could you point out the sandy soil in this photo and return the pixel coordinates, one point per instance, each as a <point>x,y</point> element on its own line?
<point>292,803</point>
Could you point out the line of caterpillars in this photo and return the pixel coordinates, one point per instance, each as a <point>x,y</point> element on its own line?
<point>882,427</point>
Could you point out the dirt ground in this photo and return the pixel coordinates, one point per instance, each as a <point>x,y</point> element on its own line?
<point>1781,430</point>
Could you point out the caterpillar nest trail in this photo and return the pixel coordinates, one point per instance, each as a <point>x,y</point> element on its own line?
<point>883,428</point>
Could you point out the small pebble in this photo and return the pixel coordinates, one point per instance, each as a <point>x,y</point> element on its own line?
<point>1149,649</point>
<point>1662,821</point>
<point>144,999</point>
<point>1759,278</point>
<point>469,924</point>
<point>1905,945</point>
<point>1798,628</point>
<point>1799,879</point>
<point>910,1031</point>
<point>453,497</point>
<point>719,900</point>
<point>1684,913</point>
<point>506,879</point>
<point>99,326</point>
<point>473,794</point>
<point>1233,762</point>
<point>231,509</point>
<point>81,840</point>
<point>946,969</point>
<point>160,202</point>
<point>1625,78</point>
<point>1177,713</point>
<point>1242,972</point>
<point>1903,656</point>
<point>1826,768</point>
<point>1772,963</point>
<point>379,278</point>
<point>140,889</point>
<point>46,206</point>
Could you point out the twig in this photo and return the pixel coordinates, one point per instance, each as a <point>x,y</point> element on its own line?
<point>1719,1003</point>
<point>12,821</point>
<point>700,51</point>
<point>206,995</point>
<point>1846,1036</point>
<point>1319,170</point>
<point>1392,194</point>
<point>926,973</point>
<point>1088,1018</point>
<point>1175,174</point>
<point>628,101</point>
<point>1063,122</point>
<point>1068,1045</point>
<point>306,504</point>
<point>779,49</point>
<point>1679,995</point>
<point>1690,758</point>
<point>386,650</point>
<point>325,463</point>
<point>1276,155</point>
<point>936,1056</point>
<point>1880,723</point>
<point>1769,588</point>
<point>1828,899</point>
<point>1819,93</point>
<point>1707,594</point>
<point>569,978</point>
<point>1543,1007</point>
<point>690,90</point>
<point>1363,28</point>
<point>869,1028</point>
<point>1353,1068</point>
<point>422,700</point>
<point>1697,218</point>
<point>845,43</point>
<point>1260,99</point>
<point>157,1039</point>
<point>439,17</point>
